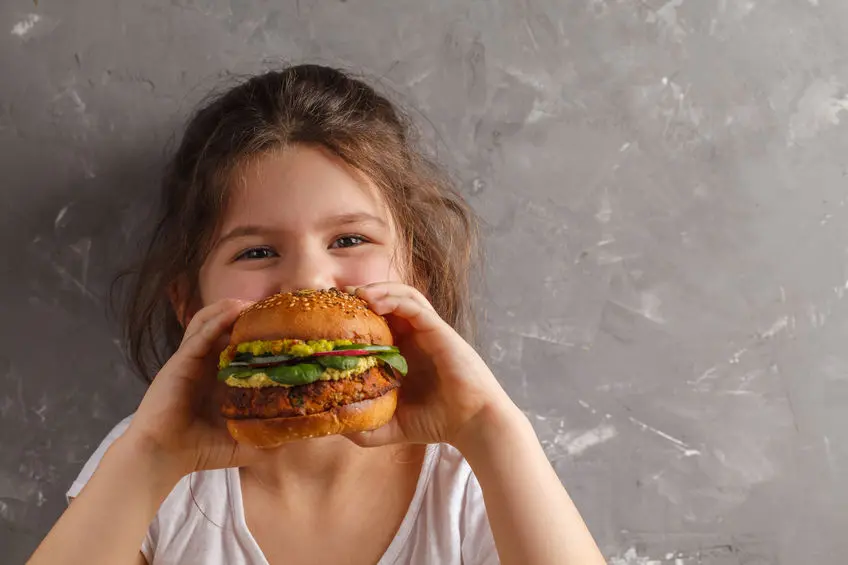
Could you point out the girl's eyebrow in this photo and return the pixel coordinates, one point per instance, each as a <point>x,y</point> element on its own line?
<point>242,231</point>
<point>353,218</point>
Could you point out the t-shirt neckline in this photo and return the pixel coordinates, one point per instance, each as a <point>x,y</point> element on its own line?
<point>392,552</point>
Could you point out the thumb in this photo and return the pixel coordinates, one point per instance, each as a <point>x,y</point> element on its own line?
<point>385,435</point>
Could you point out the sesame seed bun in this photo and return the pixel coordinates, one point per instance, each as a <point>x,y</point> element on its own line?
<point>311,314</point>
<point>357,417</point>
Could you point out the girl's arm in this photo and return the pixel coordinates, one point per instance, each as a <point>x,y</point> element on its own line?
<point>169,437</point>
<point>107,522</point>
<point>533,519</point>
<point>451,396</point>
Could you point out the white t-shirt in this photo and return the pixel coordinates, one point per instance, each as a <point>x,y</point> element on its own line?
<point>446,521</point>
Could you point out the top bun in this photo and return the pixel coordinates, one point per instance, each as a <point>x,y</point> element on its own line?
<point>311,315</point>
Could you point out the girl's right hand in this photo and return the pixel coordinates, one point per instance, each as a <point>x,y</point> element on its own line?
<point>178,417</point>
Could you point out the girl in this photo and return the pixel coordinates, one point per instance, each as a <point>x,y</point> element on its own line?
<point>307,178</point>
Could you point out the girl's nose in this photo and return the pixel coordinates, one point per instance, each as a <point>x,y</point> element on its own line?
<point>306,270</point>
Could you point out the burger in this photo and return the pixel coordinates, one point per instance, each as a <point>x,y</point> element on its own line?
<point>306,364</point>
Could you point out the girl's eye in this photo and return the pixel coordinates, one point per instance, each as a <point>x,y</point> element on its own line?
<point>255,253</point>
<point>348,241</point>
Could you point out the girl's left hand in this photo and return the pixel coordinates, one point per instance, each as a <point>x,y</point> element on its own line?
<point>447,385</point>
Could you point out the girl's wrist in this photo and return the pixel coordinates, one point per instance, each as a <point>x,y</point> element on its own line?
<point>162,468</point>
<point>493,423</point>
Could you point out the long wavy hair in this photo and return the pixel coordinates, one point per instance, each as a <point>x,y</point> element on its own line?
<point>303,104</point>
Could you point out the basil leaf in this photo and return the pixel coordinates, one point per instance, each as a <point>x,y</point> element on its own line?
<point>340,362</point>
<point>236,372</point>
<point>301,374</point>
<point>395,361</point>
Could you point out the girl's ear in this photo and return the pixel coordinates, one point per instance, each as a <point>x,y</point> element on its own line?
<point>181,300</point>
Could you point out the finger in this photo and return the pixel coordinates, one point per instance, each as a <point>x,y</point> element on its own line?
<point>383,289</point>
<point>408,309</point>
<point>385,435</point>
<point>401,301</point>
<point>200,343</point>
<point>209,312</point>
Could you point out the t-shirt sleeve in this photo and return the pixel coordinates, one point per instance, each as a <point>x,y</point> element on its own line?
<point>90,466</point>
<point>93,461</point>
<point>478,545</point>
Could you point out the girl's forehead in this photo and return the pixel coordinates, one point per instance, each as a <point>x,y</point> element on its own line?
<point>298,186</point>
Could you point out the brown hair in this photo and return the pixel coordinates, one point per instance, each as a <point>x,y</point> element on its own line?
<point>305,104</point>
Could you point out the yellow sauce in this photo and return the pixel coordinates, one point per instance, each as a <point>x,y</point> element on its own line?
<point>259,380</point>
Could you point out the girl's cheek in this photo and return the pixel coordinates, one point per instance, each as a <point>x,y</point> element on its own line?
<point>219,283</point>
<point>366,270</point>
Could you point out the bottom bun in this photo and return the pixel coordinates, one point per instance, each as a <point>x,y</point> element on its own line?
<point>357,417</point>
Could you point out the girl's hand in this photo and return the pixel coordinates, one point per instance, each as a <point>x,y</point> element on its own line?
<point>448,384</point>
<point>178,415</point>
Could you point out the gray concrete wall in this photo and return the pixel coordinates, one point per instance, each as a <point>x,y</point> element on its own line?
<point>664,189</point>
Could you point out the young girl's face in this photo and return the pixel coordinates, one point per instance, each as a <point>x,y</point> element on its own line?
<point>300,218</point>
